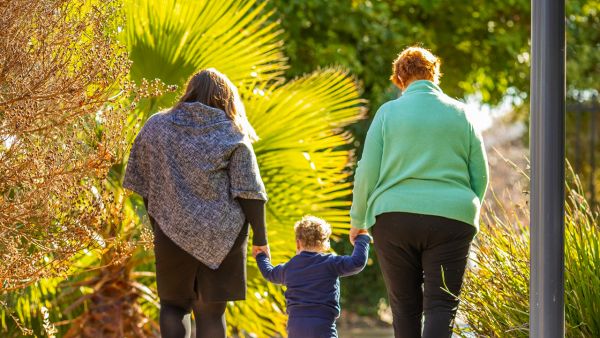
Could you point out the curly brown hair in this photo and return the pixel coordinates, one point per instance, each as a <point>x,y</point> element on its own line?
<point>313,233</point>
<point>415,63</point>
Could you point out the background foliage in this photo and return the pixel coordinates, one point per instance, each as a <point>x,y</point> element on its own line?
<point>366,36</point>
<point>484,45</point>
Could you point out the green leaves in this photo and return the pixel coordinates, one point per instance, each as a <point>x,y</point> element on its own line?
<point>301,148</point>
<point>172,39</point>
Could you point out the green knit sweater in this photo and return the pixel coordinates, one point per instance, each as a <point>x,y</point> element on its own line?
<point>422,155</point>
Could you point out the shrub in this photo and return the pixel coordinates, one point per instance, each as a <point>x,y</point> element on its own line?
<point>62,79</point>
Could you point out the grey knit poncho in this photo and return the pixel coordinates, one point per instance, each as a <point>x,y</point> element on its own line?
<point>190,163</point>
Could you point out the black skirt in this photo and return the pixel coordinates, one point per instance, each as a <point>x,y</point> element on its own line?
<point>181,277</point>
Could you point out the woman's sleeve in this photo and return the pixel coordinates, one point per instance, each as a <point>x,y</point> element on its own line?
<point>244,174</point>
<point>478,165</point>
<point>367,172</point>
<point>254,210</point>
<point>137,171</point>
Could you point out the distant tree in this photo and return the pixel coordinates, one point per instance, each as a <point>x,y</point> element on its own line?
<point>484,45</point>
<point>583,47</point>
<point>583,90</point>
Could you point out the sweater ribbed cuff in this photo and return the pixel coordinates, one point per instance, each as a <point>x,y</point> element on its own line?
<point>360,224</point>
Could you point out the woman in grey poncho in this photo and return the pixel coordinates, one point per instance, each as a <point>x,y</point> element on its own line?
<point>196,170</point>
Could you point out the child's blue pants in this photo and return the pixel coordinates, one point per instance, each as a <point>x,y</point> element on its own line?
<point>311,327</point>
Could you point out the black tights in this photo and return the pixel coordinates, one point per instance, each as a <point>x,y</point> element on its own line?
<point>209,318</point>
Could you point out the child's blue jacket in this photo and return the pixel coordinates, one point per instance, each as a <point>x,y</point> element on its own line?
<point>312,279</point>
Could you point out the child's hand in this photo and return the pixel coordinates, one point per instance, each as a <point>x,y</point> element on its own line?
<point>258,249</point>
<point>354,232</point>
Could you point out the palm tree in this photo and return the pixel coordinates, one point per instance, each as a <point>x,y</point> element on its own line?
<point>170,40</point>
<point>303,153</point>
<point>302,150</point>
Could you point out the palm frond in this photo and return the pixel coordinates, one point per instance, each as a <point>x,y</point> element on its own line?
<point>302,151</point>
<point>172,39</point>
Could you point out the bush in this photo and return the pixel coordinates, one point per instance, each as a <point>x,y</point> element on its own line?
<point>62,83</point>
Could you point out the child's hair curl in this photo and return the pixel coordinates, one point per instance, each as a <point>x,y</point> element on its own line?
<point>313,233</point>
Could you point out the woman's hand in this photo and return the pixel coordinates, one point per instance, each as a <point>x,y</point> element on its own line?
<point>258,249</point>
<point>354,232</point>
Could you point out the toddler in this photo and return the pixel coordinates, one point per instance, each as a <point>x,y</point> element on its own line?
<point>312,278</point>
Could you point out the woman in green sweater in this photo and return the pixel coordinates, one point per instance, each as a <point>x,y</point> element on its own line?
<point>419,186</point>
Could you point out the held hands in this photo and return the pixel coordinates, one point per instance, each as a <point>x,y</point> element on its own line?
<point>258,249</point>
<point>354,232</point>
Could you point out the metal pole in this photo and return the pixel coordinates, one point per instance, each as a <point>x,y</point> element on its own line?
<point>547,169</point>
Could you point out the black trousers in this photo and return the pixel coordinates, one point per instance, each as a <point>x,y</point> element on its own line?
<point>423,260</point>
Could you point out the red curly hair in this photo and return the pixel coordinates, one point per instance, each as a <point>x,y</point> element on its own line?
<point>415,63</point>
